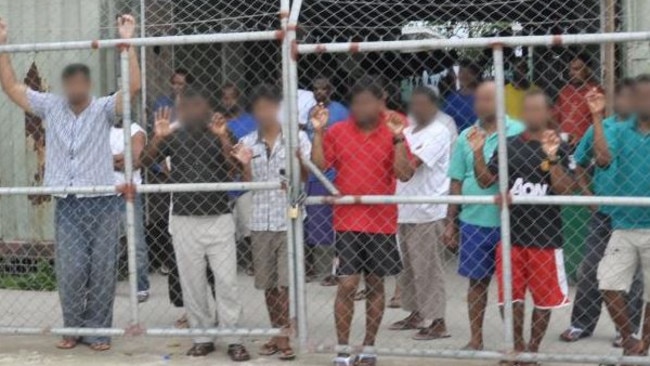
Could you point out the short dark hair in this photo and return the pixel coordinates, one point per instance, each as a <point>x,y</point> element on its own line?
<point>427,92</point>
<point>368,84</point>
<point>230,86</point>
<point>625,83</point>
<point>584,57</point>
<point>471,66</point>
<point>75,69</point>
<point>197,93</point>
<point>266,92</point>
<point>537,92</point>
<point>189,79</point>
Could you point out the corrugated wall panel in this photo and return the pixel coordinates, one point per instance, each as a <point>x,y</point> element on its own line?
<point>22,220</point>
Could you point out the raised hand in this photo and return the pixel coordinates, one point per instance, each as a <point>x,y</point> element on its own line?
<point>242,153</point>
<point>126,26</point>
<point>476,138</point>
<point>320,116</point>
<point>596,101</point>
<point>395,123</point>
<point>219,125</point>
<point>550,143</point>
<point>3,31</point>
<point>162,122</point>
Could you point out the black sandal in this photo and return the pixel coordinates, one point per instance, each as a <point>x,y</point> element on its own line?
<point>238,353</point>
<point>201,349</point>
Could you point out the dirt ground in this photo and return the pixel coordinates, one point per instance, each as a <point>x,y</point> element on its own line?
<point>41,309</point>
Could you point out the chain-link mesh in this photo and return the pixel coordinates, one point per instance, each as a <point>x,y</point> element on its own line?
<point>436,266</point>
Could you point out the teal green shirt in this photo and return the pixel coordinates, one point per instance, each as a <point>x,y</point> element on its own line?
<point>461,168</point>
<point>631,165</point>
<point>604,179</point>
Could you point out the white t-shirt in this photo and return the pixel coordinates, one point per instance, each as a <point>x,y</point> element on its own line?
<point>449,122</point>
<point>432,145</point>
<point>306,102</point>
<point>117,147</point>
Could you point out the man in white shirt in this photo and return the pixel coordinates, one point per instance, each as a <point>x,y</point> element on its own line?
<point>421,226</point>
<point>138,140</point>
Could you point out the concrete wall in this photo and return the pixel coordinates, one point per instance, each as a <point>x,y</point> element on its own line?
<point>21,219</point>
<point>637,13</point>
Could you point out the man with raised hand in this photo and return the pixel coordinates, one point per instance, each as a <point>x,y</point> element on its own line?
<point>539,165</point>
<point>626,151</point>
<point>78,154</point>
<point>369,153</point>
<point>421,226</point>
<point>201,223</point>
<point>476,227</point>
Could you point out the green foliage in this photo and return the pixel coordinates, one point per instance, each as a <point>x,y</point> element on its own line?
<point>43,278</point>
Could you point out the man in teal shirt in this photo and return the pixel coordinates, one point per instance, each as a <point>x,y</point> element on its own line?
<point>588,300</point>
<point>627,154</point>
<point>478,224</point>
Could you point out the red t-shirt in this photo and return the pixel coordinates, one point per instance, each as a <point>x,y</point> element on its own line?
<point>573,113</point>
<point>364,166</point>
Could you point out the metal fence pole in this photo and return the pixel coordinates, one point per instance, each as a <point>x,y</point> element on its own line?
<point>143,66</point>
<point>287,130</point>
<point>504,192</point>
<point>129,195</point>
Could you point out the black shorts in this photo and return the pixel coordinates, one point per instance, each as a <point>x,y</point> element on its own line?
<point>367,253</point>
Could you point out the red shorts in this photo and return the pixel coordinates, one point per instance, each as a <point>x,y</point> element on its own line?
<point>539,269</point>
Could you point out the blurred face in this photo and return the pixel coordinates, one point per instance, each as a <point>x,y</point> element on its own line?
<point>485,105</point>
<point>623,102</point>
<point>642,100</point>
<point>229,97</point>
<point>196,111</point>
<point>266,112</point>
<point>322,90</point>
<point>536,113</point>
<point>466,77</point>
<point>366,108</point>
<point>578,72</point>
<point>77,88</point>
<point>179,82</point>
<point>422,108</point>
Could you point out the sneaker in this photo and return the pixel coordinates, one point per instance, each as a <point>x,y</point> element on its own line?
<point>143,296</point>
<point>343,360</point>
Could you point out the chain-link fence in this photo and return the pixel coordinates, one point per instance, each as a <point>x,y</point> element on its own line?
<point>296,168</point>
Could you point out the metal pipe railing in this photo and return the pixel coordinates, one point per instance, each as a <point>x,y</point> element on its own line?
<point>479,42</point>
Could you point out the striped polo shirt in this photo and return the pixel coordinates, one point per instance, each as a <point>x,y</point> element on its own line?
<point>78,151</point>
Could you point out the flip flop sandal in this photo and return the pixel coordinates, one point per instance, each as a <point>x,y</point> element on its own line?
<point>100,346</point>
<point>287,354</point>
<point>405,324</point>
<point>361,295</point>
<point>430,335</point>
<point>268,349</point>
<point>573,335</point>
<point>366,360</point>
<point>67,343</point>
<point>395,303</point>
<point>200,349</point>
<point>343,361</point>
<point>238,353</point>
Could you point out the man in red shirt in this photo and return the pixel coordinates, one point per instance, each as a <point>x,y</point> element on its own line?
<point>369,153</point>
<point>572,111</point>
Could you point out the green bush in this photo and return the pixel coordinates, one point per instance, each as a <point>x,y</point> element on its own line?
<point>42,278</point>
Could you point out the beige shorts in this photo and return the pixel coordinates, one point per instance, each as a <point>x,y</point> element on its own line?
<point>270,259</point>
<point>626,250</point>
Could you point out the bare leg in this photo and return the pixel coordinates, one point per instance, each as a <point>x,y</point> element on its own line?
<point>375,303</point>
<point>344,306</point>
<point>646,328</point>
<point>540,320</point>
<point>617,307</point>
<point>518,313</point>
<point>476,303</point>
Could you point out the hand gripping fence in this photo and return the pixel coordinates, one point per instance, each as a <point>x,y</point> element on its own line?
<point>297,50</point>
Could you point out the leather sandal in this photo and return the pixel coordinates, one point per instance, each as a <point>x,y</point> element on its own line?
<point>201,349</point>
<point>238,353</point>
